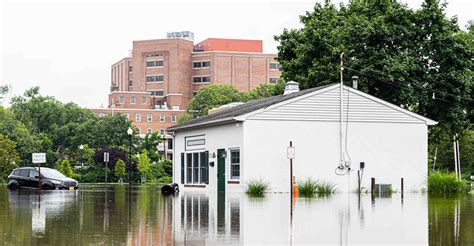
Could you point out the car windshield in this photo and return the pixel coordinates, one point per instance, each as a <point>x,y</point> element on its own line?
<point>51,173</point>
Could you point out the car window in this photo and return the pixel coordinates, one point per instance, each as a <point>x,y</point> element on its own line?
<point>16,172</point>
<point>24,173</point>
<point>34,173</point>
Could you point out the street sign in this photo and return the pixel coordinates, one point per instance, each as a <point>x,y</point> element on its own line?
<point>290,152</point>
<point>106,156</point>
<point>39,157</point>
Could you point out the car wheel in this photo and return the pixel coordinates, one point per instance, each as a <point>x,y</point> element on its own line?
<point>13,186</point>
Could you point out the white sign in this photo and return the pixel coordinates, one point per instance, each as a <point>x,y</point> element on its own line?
<point>291,152</point>
<point>39,157</point>
<point>106,156</point>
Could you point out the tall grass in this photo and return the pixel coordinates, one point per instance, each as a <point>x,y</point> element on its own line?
<point>256,188</point>
<point>446,183</point>
<point>311,188</point>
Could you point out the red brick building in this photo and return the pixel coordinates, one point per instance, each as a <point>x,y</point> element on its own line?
<point>154,85</point>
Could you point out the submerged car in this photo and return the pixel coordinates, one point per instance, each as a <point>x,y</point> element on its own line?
<point>29,177</point>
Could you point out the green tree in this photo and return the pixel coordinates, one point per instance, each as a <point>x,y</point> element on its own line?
<point>401,55</point>
<point>144,164</point>
<point>119,170</point>
<point>9,158</point>
<point>210,97</point>
<point>65,168</point>
<point>150,143</point>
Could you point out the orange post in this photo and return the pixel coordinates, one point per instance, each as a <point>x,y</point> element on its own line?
<point>295,187</point>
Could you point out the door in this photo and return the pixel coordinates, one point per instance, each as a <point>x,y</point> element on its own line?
<point>221,170</point>
<point>34,179</point>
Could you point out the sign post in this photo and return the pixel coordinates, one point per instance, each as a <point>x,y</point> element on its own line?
<point>106,160</point>
<point>290,152</point>
<point>39,158</point>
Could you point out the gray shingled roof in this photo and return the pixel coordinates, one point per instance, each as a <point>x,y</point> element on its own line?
<point>228,115</point>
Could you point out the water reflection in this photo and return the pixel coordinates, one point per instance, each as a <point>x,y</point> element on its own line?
<point>142,216</point>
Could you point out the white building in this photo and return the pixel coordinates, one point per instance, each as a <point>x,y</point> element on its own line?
<point>224,150</point>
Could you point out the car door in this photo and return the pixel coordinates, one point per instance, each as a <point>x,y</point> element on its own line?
<point>34,178</point>
<point>24,177</point>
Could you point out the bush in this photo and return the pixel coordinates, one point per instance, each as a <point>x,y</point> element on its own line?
<point>308,188</point>
<point>326,188</point>
<point>256,188</point>
<point>65,168</point>
<point>446,183</point>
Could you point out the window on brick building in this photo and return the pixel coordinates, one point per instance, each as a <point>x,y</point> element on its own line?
<point>176,108</point>
<point>274,65</point>
<point>195,93</point>
<point>149,131</point>
<point>273,80</point>
<point>197,79</point>
<point>133,100</point>
<point>162,131</point>
<point>206,64</point>
<point>197,65</point>
<point>122,99</point>
<point>162,118</point>
<point>138,118</point>
<point>130,83</point>
<point>157,93</point>
<point>149,118</point>
<point>158,63</point>
<point>173,118</point>
<point>143,100</point>
<point>155,78</point>
<point>206,79</point>
<point>130,69</point>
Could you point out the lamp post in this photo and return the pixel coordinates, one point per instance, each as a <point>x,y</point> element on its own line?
<point>130,132</point>
<point>81,147</point>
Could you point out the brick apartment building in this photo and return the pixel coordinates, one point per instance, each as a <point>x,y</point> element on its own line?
<point>154,85</point>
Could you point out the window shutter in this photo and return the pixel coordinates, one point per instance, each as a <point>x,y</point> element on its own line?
<point>182,168</point>
<point>206,163</point>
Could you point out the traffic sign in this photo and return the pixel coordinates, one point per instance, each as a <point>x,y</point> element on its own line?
<point>290,152</point>
<point>106,156</point>
<point>39,157</point>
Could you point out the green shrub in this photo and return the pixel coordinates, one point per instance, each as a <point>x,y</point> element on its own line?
<point>326,188</point>
<point>256,188</point>
<point>165,180</point>
<point>308,188</point>
<point>65,168</point>
<point>446,183</point>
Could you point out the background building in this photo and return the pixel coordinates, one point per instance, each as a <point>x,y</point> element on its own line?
<point>154,85</point>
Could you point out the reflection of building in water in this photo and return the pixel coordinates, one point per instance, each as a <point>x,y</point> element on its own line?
<point>206,217</point>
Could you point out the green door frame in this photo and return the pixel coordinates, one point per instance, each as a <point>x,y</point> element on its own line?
<point>221,171</point>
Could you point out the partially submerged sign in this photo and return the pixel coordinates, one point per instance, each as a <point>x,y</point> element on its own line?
<point>39,157</point>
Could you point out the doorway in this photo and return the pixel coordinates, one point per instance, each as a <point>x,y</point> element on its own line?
<point>221,170</point>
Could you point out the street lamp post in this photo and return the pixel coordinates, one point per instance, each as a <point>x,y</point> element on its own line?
<point>81,147</point>
<point>130,132</point>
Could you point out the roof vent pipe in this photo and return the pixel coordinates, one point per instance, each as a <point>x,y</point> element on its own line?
<point>354,82</point>
<point>291,87</point>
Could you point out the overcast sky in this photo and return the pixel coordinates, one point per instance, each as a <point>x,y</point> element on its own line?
<point>67,48</point>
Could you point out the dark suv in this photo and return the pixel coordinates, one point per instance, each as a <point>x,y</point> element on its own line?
<point>28,177</point>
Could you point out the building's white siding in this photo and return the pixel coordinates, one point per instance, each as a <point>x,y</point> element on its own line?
<point>324,106</point>
<point>391,151</point>
<point>229,136</point>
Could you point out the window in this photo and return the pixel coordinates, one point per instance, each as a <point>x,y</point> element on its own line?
<point>138,118</point>
<point>162,118</point>
<point>33,173</point>
<point>197,167</point>
<point>195,93</point>
<point>206,64</point>
<point>273,80</point>
<point>133,100</point>
<point>176,108</point>
<point>170,143</point>
<point>154,78</point>
<point>121,99</point>
<point>203,79</point>
<point>130,69</point>
<point>149,118</point>
<point>158,63</point>
<point>206,79</point>
<point>143,100</point>
<point>101,114</point>
<point>148,130</point>
<point>130,83</point>
<point>197,79</point>
<point>197,64</point>
<point>162,131</point>
<point>235,164</point>
<point>173,118</point>
<point>25,172</point>
<point>274,65</point>
<point>157,93</point>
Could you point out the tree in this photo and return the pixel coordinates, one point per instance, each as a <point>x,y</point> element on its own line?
<point>150,143</point>
<point>115,154</point>
<point>65,168</point>
<point>210,97</point>
<point>119,170</point>
<point>9,158</point>
<point>401,55</point>
<point>144,164</point>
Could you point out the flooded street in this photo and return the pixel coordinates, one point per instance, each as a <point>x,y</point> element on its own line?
<point>95,215</point>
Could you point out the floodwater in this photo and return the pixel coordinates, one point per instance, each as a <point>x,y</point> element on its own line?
<point>118,215</point>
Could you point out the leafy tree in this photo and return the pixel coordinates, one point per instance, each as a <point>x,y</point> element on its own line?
<point>65,168</point>
<point>167,167</point>
<point>115,154</point>
<point>401,55</point>
<point>150,143</point>
<point>144,164</point>
<point>210,97</point>
<point>119,170</point>
<point>9,158</point>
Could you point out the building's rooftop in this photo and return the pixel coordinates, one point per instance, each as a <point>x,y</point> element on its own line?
<point>228,115</point>
<point>224,44</point>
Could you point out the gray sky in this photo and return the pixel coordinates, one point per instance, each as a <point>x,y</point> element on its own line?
<point>67,47</point>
